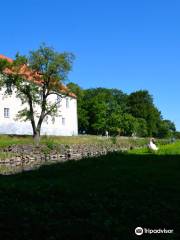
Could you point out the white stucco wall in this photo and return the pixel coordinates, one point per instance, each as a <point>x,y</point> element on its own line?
<point>9,125</point>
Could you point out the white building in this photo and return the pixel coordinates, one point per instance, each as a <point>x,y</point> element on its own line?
<point>64,124</point>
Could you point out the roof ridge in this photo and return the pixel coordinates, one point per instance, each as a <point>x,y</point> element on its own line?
<point>6,58</point>
<point>28,74</point>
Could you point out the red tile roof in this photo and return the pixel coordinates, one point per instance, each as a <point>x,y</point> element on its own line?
<point>6,58</point>
<point>34,76</point>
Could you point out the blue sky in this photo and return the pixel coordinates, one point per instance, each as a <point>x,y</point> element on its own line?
<point>129,45</point>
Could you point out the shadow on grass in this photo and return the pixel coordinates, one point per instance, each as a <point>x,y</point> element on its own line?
<point>97,198</point>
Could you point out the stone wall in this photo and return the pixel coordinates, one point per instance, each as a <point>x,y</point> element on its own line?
<point>28,157</point>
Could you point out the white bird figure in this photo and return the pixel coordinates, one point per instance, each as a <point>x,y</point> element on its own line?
<point>152,145</point>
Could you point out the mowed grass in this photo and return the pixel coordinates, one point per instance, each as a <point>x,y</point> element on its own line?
<point>7,140</point>
<point>94,199</point>
<point>166,149</point>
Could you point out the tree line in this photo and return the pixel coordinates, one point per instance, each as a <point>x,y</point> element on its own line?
<point>102,109</point>
<point>41,74</point>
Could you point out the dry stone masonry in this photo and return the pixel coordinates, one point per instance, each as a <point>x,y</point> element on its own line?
<point>28,157</point>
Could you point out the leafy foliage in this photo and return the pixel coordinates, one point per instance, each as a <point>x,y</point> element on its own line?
<point>140,105</point>
<point>101,109</point>
<point>166,129</point>
<point>35,78</point>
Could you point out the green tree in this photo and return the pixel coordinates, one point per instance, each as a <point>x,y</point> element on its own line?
<point>129,124</point>
<point>35,78</point>
<point>104,107</point>
<point>141,130</point>
<point>171,125</point>
<point>114,122</point>
<point>140,105</point>
<point>177,134</point>
<point>166,129</point>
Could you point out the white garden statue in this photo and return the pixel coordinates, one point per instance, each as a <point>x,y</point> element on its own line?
<point>152,146</point>
<point>106,133</point>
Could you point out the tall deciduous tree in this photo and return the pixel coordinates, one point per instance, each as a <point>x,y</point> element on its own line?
<point>140,105</point>
<point>35,78</point>
<point>104,108</point>
<point>166,129</point>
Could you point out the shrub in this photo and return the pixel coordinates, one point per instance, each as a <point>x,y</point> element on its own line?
<point>50,143</point>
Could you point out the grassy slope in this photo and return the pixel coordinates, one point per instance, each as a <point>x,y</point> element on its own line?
<point>51,142</point>
<point>100,198</point>
<point>6,140</point>
<point>169,149</point>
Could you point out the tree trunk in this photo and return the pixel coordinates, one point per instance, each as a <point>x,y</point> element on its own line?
<point>37,138</point>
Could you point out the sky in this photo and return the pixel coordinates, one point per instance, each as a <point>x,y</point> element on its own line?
<point>129,45</point>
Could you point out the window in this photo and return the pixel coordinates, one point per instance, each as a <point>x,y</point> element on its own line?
<point>53,120</point>
<point>6,112</point>
<point>67,102</point>
<point>58,101</point>
<point>58,98</point>
<point>63,121</point>
<point>46,119</point>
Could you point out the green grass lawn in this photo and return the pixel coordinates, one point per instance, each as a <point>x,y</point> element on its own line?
<point>166,149</point>
<point>94,199</point>
<point>6,140</point>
